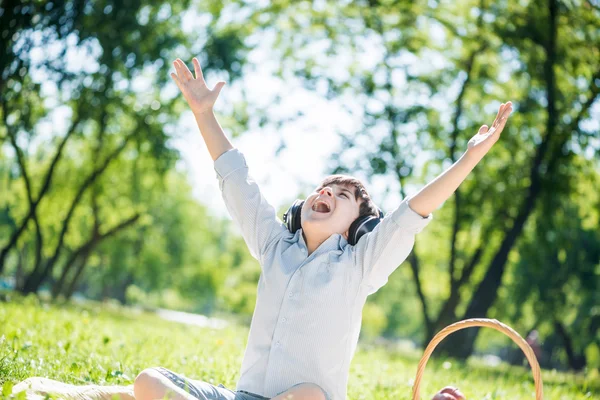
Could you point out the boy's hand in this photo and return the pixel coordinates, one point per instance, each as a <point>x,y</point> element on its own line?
<point>481,143</point>
<point>449,393</point>
<point>199,97</point>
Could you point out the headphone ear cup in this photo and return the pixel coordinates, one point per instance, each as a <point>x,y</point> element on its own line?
<point>352,239</point>
<point>291,217</point>
<point>363,225</point>
<point>297,214</point>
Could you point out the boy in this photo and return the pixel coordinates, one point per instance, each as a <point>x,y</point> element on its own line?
<point>315,275</point>
<point>313,284</point>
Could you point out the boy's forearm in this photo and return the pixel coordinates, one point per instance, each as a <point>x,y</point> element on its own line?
<point>441,188</point>
<point>214,137</point>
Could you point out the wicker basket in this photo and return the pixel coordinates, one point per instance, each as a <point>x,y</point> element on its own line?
<point>490,323</point>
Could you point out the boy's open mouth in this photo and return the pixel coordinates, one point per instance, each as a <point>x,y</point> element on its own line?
<point>321,207</point>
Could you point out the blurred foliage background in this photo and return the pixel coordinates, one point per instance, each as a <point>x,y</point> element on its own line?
<point>94,204</point>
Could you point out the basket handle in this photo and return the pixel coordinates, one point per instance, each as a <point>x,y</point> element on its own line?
<point>490,323</point>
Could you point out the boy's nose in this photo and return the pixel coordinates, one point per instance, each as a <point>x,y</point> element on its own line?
<point>326,190</point>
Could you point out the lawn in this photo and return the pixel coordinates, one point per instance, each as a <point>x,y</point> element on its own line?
<point>109,345</point>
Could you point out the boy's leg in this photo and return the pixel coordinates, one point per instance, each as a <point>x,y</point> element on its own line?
<point>37,386</point>
<point>156,383</point>
<point>303,391</point>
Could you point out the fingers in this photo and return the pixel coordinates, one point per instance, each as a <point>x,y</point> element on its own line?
<point>507,110</point>
<point>498,116</point>
<point>503,113</point>
<point>483,129</point>
<point>178,73</point>
<point>174,76</point>
<point>183,72</point>
<point>197,69</point>
<point>218,87</point>
<point>186,70</point>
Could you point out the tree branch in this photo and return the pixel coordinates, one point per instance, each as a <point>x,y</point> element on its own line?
<point>574,126</point>
<point>455,131</point>
<point>25,174</point>
<point>88,249</point>
<point>95,239</point>
<point>461,345</point>
<point>413,261</point>
<point>47,180</point>
<point>35,279</point>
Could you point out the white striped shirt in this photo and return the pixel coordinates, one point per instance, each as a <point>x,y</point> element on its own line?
<point>308,312</point>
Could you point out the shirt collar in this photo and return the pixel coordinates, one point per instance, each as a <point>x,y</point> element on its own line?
<point>333,242</point>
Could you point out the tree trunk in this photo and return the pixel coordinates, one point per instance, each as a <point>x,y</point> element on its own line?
<point>73,284</point>
<point>70,264</point>
<point>89,247</point>
<point>415,267</point>
<point>20,272</point>
<point>35,279</point>
<point>461,344</point>
<point>576,361</point>
<point>58,287</point>
<point>121,290</point>
<point>33,207</point>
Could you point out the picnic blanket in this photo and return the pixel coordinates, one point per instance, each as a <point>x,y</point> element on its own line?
<point>36,388</point>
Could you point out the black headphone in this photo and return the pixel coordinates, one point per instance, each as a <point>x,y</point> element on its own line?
<point>358,228</point>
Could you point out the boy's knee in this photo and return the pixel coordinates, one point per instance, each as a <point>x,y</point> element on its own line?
<point>149,385</point>
<point>314,391</point>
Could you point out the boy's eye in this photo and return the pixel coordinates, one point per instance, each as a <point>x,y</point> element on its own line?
<point>344,194</point>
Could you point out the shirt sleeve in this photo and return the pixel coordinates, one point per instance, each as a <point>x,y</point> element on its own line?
<point>247,206</point>
<point>379,252</point>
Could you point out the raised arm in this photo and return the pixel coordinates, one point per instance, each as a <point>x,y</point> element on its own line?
<point>381,251</point>
<point>201,101</point>
<point>441,188</point>
<point>247,206</point>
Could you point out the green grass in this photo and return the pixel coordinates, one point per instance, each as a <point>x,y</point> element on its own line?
<point>109,345</point>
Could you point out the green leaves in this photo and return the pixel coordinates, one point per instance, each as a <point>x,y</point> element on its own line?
<point>116,110</point>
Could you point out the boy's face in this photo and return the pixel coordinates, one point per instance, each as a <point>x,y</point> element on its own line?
<point>330,210</point>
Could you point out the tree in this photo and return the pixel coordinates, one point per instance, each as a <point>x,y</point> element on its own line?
<point>437,68</point>
<point>556,275</point>
<point>109,118</point>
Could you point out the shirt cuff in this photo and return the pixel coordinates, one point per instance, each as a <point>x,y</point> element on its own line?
<point>407,218</point>
<point>229,162</point>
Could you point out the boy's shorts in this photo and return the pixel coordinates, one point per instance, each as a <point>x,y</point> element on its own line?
<point>205,391</point>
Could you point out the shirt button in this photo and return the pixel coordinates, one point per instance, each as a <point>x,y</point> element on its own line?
<point>278,343</point>
<point>291,294</point>
<point>284,319</point>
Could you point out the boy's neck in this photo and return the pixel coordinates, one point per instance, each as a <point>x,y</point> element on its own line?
<point>313,243</point>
